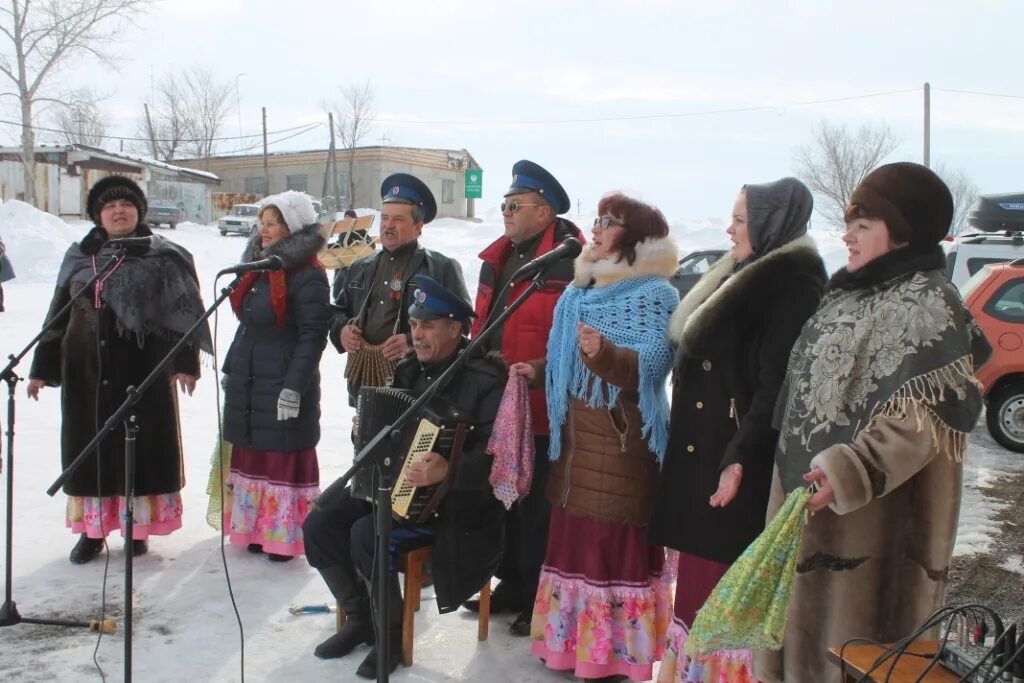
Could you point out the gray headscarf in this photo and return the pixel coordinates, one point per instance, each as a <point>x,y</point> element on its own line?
<point>777,213</point>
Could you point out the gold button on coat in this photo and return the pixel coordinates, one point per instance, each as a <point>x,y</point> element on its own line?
<point>690,449</point>
<point>700,405</point>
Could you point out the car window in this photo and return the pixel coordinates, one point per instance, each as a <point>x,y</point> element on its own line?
<point>1008,302</point>
<point>243,211</point>
<point>977,263</point>
<point>967,288</point>
<point>696,264</point>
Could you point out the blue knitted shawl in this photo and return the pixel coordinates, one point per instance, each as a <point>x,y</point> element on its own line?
<point>632,313</point>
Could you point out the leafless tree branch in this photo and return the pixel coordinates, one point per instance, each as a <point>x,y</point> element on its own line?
<point>837,160</point>
<point>964,192</point>
<point>352,122</point>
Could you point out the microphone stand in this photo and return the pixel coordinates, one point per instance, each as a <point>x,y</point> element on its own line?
<point>9,615</point>
<point>126,413</point>
<point>372,453</point>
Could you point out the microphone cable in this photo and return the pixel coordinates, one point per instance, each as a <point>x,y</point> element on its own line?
<point>223,486</point>
<point>99,491</point>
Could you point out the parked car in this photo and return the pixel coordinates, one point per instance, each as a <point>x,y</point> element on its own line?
<point>968,254</point>
<point>692,266</point>
<point>241,220</point>
<point>995,296</point>
<point>165,212</point>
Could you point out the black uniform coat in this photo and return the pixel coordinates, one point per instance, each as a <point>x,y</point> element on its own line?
<point>265,358</point>
<point>733,343</point>
<point>352,290</point>
<point>471,522</point>
<point>94,366</point>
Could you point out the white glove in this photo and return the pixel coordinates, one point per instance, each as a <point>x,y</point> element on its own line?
<point>288,404</point>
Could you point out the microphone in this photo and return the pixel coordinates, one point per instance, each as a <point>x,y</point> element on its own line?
<point>269,263</point>
<point>569,249</point>
<point>126,242</point>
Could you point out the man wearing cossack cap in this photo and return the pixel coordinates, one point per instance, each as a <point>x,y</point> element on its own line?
<point>530,211</point>
<point>466,535</point>
<point>373,297</point>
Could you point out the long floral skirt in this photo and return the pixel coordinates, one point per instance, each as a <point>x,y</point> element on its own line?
<point>271,493</point>
<point>697,578</point>
<point>602,606</point>
<point>156,515</point>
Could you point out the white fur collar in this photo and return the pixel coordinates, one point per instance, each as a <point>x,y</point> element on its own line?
<point>658,257</point>
<point>706,295</point>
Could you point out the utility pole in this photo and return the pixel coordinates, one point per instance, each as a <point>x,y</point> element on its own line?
<point>266,172</point>
<point>152,137</point>
<point>928,125</point>
<point>334,165</point>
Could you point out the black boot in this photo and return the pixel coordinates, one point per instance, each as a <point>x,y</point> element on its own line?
<point>351,595</point>
<point>85,550</point>
<point>368,667</point>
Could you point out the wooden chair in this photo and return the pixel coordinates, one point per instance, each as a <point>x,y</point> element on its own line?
<point>411,565</point>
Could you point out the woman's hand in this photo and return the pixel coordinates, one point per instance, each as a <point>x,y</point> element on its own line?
<point>824,495</point>
<point>33,388</point>
<point>430,469</point>
<point>728,484</point>
<point>186,382</point>
<point>590,340</point>
<point>524,370</point>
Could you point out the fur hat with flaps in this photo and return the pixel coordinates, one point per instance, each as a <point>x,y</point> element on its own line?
<point>915,204</point>
<point>111,188</point>
<point>296,208</point>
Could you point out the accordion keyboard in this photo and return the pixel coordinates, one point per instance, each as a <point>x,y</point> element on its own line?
<point>404,493</point>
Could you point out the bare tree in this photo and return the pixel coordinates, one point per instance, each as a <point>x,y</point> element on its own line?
<point>206,104</point>
<point>82,122</point>
<point>38,38</point>
<point>164,130</point>
<point>352,121</point>
<point>964,192</point>
<point>838,159</point>
<point>189,111</point>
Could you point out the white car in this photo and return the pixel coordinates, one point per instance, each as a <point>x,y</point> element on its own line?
<point>241,220</point>
<point>968,254</point>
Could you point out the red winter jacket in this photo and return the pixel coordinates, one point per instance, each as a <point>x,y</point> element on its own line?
<point>524,336</point>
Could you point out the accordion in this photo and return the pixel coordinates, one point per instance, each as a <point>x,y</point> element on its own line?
<point>435,432</point>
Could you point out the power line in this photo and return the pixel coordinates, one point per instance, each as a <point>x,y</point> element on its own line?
<point>986,94</point>
<point>708,112</point>
<point>41,129</point>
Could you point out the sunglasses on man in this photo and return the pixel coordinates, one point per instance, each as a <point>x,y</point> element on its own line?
<point>513,206</point>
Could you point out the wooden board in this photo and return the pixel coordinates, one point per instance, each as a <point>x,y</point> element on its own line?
<point>861,658</point>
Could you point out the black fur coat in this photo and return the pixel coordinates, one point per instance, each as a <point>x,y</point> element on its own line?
<point>733,340</point>
<point>94,365</point>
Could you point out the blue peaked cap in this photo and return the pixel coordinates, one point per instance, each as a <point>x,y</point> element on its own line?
<point>530,177</point>
<point>433,300</point>
<point>408,189</point>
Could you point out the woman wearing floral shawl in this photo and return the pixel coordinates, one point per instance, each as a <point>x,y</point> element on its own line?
<point>603,602</point>
<point>878,400</point>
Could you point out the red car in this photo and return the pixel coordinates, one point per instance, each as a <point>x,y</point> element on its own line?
<point>995,296</point>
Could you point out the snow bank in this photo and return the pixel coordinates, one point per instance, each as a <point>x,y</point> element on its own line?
<point>36,241</point>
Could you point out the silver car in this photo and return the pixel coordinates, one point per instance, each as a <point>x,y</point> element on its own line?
<point>241,220</point>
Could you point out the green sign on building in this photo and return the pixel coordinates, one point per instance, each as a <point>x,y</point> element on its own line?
<point>474,183</point>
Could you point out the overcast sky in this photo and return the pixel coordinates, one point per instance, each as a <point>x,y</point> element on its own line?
<point>480,75</point>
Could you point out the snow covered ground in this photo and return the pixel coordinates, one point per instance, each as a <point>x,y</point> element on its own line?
<point>184,625</point>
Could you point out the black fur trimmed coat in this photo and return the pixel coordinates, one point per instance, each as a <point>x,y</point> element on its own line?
<point>265,358</point>
<point>733,340</point>
<point>94,366</point>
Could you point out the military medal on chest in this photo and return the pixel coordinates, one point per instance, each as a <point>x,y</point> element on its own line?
<point>394,286</point>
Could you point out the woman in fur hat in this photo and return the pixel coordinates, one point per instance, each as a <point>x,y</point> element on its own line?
<point>116,334</point>
<point>732,333</point>
<point>878,400</point>
<point>272,384</point>
<point>602,605</point>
